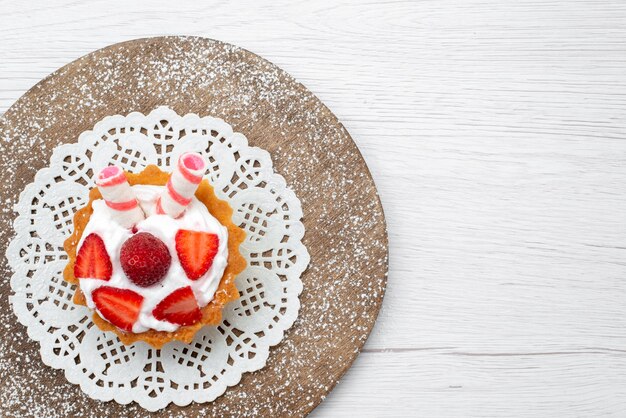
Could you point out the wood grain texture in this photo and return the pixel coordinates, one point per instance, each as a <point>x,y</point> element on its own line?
<point>495,131</point>
<point>346,236</point>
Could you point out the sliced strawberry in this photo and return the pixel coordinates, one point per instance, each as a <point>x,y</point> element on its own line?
<point>93,261</point>
<point>118,306</point>
<point>180,307</point>
<point>196,251</point>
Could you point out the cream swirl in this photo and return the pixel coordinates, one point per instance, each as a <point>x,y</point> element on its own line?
<point>196,217</point>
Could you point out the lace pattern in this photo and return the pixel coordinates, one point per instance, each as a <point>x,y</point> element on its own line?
<point>263,206</point>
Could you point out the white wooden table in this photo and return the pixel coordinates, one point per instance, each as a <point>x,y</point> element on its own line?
<point>496,133</point>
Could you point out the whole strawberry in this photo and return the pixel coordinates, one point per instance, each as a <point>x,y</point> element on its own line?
<point>145,259</point>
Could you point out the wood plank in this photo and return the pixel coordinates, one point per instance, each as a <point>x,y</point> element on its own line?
<point>433,383</point>
<point>495,134</point>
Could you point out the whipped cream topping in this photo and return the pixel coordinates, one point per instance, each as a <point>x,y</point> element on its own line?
<point>196,217</point>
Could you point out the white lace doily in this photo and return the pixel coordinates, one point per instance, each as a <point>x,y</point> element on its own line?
<point>105,368</point>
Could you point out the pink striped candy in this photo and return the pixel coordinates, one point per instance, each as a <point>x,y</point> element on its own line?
<point>119,196</point>
<point>182,185</point>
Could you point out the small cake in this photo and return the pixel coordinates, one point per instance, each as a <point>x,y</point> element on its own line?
<point>155,255</point>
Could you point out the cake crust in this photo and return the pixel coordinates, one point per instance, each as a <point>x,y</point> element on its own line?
<point>226,291</point>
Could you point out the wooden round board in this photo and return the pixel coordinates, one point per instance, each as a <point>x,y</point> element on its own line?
<point>345,225</point>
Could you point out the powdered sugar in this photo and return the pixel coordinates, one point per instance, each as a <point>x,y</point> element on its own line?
<point>345,224</point>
